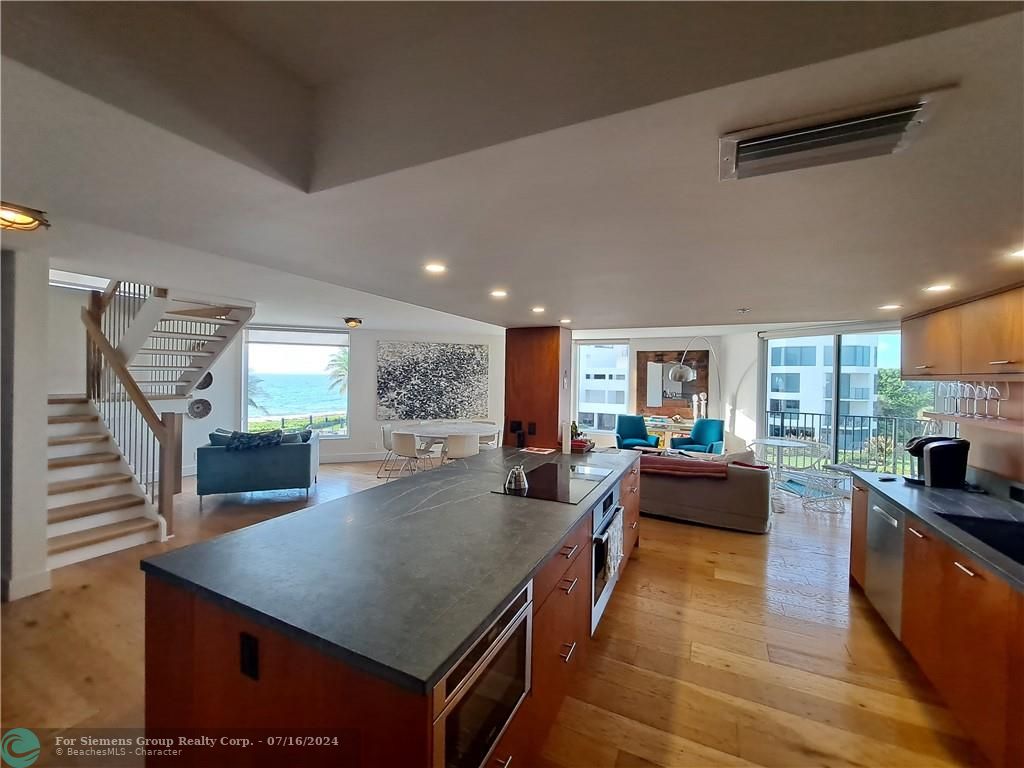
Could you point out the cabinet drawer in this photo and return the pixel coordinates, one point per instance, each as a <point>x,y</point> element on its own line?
<point>561,635</point>
<point>551,573</point>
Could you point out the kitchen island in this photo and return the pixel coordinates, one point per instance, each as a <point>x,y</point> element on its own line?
<point>349,615</point>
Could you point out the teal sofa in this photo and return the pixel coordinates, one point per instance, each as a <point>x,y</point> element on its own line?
<point>275,468</point>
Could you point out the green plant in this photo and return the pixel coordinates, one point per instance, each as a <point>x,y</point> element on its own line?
<point>337,368</point>
<point>255,392</point>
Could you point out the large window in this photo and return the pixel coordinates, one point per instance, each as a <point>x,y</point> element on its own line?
<point>876,412</point>
<point>601,385</point>
<point>297,379</point>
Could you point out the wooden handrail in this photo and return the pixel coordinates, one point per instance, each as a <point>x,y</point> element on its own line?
<point>137,396</point>
<point>108,294</point>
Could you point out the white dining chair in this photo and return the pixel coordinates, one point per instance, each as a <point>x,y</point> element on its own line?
<point>460,447</point>
<point>488,441</point>
<point>390,463</point>
<point>404,445</point>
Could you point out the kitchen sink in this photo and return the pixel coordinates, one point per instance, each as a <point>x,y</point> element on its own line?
<point>1006,536</point>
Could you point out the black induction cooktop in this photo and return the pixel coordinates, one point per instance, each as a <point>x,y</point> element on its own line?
<point>567,483</point>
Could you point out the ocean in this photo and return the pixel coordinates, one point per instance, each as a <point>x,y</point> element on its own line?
<point>294,394</point>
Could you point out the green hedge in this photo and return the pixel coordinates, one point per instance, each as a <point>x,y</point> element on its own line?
<point>333,422</point>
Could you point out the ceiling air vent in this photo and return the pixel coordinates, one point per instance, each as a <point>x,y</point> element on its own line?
<point>867,131</point>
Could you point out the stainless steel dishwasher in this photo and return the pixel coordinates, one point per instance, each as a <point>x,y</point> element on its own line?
<point>884,567</point>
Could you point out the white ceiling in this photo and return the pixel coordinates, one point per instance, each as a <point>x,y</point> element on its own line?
<point>615,222</point>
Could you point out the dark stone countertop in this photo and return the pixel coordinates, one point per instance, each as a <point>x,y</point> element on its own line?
<point>926,504</point>
<point>397,580</point>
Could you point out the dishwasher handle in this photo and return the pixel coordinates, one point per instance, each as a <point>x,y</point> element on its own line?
<point>886,516</point>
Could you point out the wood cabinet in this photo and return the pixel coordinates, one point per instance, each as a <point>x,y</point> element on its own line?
<point>858,532</point>
<point>629,498</point>
<point>930,344</point>
<point>993,331</point>
<point>974,673</point>
<point>554,570</point>
<point>924,556</point>
<point>964,626</point>
<point>975,340</point>
<point>538,362</point>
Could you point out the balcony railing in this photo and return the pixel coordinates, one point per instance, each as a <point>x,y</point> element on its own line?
<point>867,442</point>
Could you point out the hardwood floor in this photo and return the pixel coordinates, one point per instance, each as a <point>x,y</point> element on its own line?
<point>718,648</point>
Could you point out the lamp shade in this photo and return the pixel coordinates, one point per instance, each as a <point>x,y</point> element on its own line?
<point>681,373</point>
<point>18,217</point>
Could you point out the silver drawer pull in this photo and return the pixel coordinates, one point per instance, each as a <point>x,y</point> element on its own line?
<point>634,489</point>
<point>635,471</point>
<point>923,366</point>
<point>504,763</point>
<point>568,590</point>
<point>1001,362</point>
<point>568,654</point>
<point>634,525</point>
<point>964,568</point>
<point>571,552</point>
<point>919,535</point>
<point>888,518</point>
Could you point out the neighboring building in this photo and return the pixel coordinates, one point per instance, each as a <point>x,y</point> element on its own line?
<point>800,381</point>
<point>602,385</point>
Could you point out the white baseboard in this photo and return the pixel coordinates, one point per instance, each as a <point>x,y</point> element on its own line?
<point>23,586</point>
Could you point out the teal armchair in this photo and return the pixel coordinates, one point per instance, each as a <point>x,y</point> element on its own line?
<point>707,436</point>
<point>631,432</point>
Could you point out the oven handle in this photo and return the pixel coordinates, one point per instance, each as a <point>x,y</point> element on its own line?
<point>602,537</point>
<point>525,614</point>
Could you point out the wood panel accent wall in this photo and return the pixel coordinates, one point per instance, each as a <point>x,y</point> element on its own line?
<point>537,375</point>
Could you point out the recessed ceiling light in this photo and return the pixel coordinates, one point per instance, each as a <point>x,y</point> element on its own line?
<point>499,294</point>
<point>891,306</point>
<point>938,287</point>
<point>538,310</point>
<point>434,268</point>
<point>742,310</point>
<point>565,320</point>
<point>21,218</point>
<point>353,322</point>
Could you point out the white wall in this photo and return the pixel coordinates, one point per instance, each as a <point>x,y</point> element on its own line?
<point>739,358</point>
<point>24,286</point>
<point>225,395</point>
<point>364,442</point>
<point>65,350</point>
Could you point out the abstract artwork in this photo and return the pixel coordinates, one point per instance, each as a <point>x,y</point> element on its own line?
<point>428,380</point>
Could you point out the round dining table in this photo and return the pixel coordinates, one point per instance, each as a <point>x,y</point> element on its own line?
<point>442,431</point>
<point>780,445</point>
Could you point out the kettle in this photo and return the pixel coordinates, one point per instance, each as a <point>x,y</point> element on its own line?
<point>516,481</point>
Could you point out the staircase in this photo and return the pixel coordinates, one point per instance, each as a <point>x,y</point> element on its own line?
<point>94,504</point>
<point>114,453</point>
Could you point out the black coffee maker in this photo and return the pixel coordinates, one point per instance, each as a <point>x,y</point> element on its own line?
<point>940,462</point>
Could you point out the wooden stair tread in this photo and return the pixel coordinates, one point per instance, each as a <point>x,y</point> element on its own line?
<point>148,367</point>
<point>74,418</point>
<point>90,437</point>
<point>85,483</point>
<point>83,460</point>
<point>86,508</point>
<point>67,400</point>
<point>179,315</point>
<point>187,336</point>
<point>98,535</point>
<point>174,352</point>
<point>203,312</point>
<point>168,397</point>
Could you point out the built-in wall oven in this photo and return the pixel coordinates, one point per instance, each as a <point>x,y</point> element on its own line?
<point>607,551</point>
<point>476,700</point>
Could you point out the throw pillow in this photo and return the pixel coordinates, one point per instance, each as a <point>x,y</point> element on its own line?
<point>306,434</point>
<point>220,438</point>
<point>290,437</point>
<point>244,441</point>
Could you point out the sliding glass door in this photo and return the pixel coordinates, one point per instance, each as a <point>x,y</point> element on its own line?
<point>844,391</point>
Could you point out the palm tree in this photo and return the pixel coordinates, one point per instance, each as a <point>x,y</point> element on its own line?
<point>255,392</point>
<point>337,368</point>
